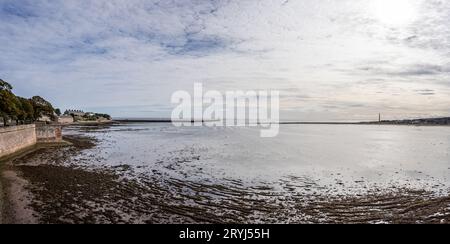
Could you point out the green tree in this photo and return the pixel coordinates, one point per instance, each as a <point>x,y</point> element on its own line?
<point>58,112</point>
<point>42,108</point>
<point>5,85</point>
<point>6,103</point>
<point>9,105</point>
<point>106,116</point>
<point>17,113</point>
<point>27,110</point>
<point>20,109</point>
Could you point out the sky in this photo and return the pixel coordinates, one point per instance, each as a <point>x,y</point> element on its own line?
<point>331,60</point>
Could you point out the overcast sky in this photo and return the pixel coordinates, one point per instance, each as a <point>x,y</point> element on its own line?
<point>331,60</point>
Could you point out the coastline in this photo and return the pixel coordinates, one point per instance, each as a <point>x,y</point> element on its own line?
<point>43,188</point>
<point>12,186</point>
<point>4,182</point>
<point>383,123</point>
<point>93,123</point>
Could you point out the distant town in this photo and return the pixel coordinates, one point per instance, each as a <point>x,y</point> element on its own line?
<point>426,121</point>
<point>79,116</point>
<point>15,110</point>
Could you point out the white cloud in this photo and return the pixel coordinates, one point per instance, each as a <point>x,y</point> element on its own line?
<point>333,59</point>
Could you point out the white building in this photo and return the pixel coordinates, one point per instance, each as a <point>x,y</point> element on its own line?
<point>65,119</point>
<point>79,113</point>
<point>44,118</point>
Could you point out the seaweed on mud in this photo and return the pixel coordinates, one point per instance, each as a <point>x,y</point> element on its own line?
<point>74,193</point>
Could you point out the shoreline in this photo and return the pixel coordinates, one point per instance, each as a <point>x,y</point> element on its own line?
<point>383,123</point>
<point>8,178</point>
<point>5,183</point>
<point>48,190</point>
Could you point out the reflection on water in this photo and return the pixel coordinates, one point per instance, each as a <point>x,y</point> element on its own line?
<point>313,158</point>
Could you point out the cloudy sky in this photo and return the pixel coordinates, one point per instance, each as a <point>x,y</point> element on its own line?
<point>331,59</point>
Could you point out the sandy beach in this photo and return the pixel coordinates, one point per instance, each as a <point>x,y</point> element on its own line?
<point>40,187</point>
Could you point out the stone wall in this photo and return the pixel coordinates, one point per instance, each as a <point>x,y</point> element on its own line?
<point>49,133</point>
<point>16,138</point>
<point>65,120</point>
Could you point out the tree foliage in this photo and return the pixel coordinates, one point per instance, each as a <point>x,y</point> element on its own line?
<point>21,109</point>
<point>96,116</point>
<point>27,109</point>
<point>5,85</point>
<point>42,108</point>
<point>8,105</point>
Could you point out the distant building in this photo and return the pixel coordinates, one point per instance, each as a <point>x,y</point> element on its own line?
<point>65,119</point>
<point>71,112</point>
<point>44,118</point>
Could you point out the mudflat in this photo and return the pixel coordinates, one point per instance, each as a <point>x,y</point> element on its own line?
<point>54,185</point>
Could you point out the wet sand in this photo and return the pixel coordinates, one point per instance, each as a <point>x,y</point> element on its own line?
<point>41,187</point>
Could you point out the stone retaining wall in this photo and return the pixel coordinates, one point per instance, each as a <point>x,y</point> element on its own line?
<point>48,133</point>
<point>16,138</point>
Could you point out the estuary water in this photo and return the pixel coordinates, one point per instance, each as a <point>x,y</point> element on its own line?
<point>331,159</point>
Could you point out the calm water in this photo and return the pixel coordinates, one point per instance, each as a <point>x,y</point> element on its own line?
<point>316,157</point>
